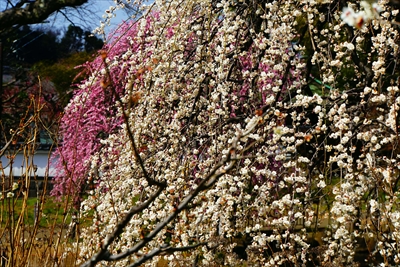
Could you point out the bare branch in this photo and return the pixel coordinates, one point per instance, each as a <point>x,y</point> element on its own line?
<point>33,12</point>
<point>163,250</point>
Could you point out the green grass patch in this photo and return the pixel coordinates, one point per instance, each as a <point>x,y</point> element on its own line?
<point>52,211</point>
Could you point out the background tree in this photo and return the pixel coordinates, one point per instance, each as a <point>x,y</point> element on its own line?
<point>75,48</point>
<point>38,61</point>
<point>26,47</point>
<point>73,40</point>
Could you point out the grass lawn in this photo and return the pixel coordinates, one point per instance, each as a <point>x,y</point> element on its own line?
<point>52,211</point>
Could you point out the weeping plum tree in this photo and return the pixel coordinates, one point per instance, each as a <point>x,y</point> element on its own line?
<point>92,115</point>
<point>230,133</point>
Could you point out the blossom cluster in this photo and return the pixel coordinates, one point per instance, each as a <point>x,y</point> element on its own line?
<point>359,19</point>
<point>251,127</point>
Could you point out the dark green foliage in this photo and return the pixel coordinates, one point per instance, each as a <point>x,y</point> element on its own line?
<point>41,65</point>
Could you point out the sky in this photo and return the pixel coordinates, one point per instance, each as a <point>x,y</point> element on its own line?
<point>87,17</point>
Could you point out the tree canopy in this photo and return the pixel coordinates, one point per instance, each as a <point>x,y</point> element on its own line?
<point>240,133</point>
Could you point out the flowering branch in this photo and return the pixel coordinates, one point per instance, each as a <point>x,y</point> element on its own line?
<point>162,250</point>
<point>104,254</point>
<point>222,168</point>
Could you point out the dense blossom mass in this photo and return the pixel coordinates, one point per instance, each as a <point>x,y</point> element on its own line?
<point>92,115</point>
<point>241,133</point>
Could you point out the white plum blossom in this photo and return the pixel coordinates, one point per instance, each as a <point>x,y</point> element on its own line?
<point>359,19</point>
<point>14,186</point>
